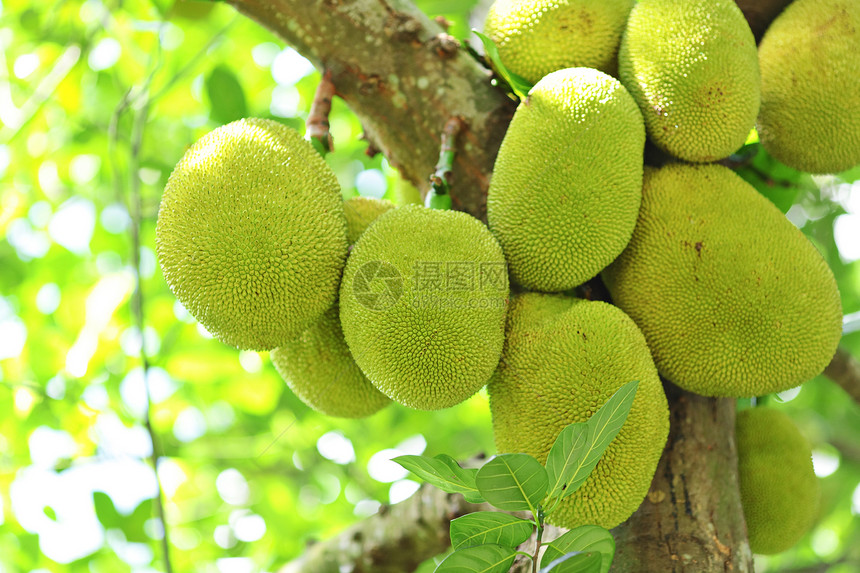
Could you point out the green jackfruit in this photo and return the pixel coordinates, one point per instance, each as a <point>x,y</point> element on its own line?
<point>251,234</point>
<point>567,183</point>
<point>536,37</point>
<point>810,82</point>
<point>360,213</point>
<point>423,303</point>
<point>779,489</point>
<point>732,298</point>
<point>563,359</point>
<point>319,369</point>
<point>692,67</point>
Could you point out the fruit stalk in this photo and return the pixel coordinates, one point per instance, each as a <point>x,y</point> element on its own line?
<point>318,124</point>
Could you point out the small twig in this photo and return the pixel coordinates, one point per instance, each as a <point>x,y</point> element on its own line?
<point>318,122</point>
<point>844,369</point>
<point>135,207</point>
<point>440,182</point>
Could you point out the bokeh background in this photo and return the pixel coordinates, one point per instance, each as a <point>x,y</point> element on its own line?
<point>98,101</point>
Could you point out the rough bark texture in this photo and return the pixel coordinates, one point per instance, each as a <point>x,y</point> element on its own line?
<point>396,539</point>
<point>691,519</point>
<point>844,369</point>
<point>404,77</point>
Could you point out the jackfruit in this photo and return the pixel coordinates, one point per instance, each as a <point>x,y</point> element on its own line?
<point>251,234</point>
<point>536,37</point>
<point>567,182</point>
<point>810,99</point>
<point>423,312</point>
<point>360,213</point>
<point>732,298</point>
<point>319,369</point>
<point>563,359</point>
<point>692,67</point>
<point>779,489</point>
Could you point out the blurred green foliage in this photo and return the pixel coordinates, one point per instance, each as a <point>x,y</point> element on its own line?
<point>98,101</point>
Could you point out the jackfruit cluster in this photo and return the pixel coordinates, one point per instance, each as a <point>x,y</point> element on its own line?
<point>251,234</point>
<point>692,67</point>
<point>712,286</point>
<point>564,217</point>
<point>563,359</point>
<point>779,490</point>
<point>810,108</point>
<point>536,37</point>
<point>422,305</point>
<point>732,298</point>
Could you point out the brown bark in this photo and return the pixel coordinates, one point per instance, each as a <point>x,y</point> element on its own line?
<point>844,369</point>
<point>404,77</point>
<point>397,539</point>
<point>691,519</point>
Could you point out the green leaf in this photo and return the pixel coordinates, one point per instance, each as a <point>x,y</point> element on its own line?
<point>106,511</point>
<point>445,473</point>
<point>513,482</point>
<point>603,426</point>
<point>585,539</point>
<point>574,562</point>
<point>484,527</point>
<point>226,96</point>
<point>49,511</point>
<point>479,559</point>
<point>519,85</point>
<point>565,454</point>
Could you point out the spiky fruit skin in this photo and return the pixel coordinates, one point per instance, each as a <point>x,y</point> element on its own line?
<point>779,490</point>
<point>692,67</point>
<point>563,359</point>
<point>810,101</point>
<point>360,213</point>
<point>732,298</point>
<point>251,234</point>
<point>567,182</point>
<point>424,313</point>
<point>319,369</point>
<point>537,37</point>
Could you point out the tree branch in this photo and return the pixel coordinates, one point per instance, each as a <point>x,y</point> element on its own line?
<point>844,369</point>
<point>404,77</point>
<point>691,519</point>
<point>399,537</point>
<point>396,539</point>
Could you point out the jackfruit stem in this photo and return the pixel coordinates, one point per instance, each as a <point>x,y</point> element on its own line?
<point>539,521</point>
<point>439,196</point>
<point>318,122</point>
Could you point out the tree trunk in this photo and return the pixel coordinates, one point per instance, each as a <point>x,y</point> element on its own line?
<point>404,77</point>
<point>691,519</point>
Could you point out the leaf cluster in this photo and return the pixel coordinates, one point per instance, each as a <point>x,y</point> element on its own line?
<point>487,541</point>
